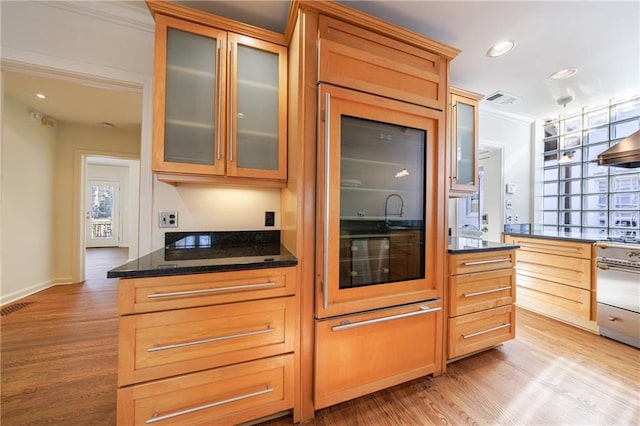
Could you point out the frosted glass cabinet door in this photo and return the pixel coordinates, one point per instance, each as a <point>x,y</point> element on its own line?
<point>464,173</point>
<point>257,105</point>
<point>190,89</point>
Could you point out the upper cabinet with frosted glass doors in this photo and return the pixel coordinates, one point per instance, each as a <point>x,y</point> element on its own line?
<point>219,104</point>
<point>463,139</point>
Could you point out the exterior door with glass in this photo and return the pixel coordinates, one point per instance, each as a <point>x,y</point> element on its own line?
<point>101,213</point>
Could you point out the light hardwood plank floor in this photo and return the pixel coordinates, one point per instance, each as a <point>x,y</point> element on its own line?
<point>59,361</point>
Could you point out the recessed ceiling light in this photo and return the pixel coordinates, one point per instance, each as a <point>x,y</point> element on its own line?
<point>562,74</point>
<point>39,95</point>
<point>501,48</point>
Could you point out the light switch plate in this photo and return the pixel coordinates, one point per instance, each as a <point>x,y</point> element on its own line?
<point>168,219</point>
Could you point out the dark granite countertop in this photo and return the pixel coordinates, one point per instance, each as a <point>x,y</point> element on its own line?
<point>460,245</point>
<point>201,252</point>
<point>580,237</point>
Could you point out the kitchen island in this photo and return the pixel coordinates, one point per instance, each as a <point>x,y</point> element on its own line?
<point>556,275</point>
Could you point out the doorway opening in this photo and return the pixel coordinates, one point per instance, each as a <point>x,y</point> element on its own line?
<point>110,212</point>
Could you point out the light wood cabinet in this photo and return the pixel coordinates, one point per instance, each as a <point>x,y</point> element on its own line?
<point>354,57</point>
<point>199,338</point>
<point>220,105</point>
<point>556,278</point>
<point>138,295</point>
<point>207,348</point>
<point>222,396</point>
<point>481,293</point>
<point>332,45</point>
<point>463,142</point>
<point>362,353</point>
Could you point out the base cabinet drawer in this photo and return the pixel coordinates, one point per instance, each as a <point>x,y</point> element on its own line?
<point>557,301</point>
<point>481,330</point>
<point>222,396</point>
<point>480,262</point>
<point>163,344</point>
<point>470,293</point>
<point>363,353</point>
<point>138,295</point>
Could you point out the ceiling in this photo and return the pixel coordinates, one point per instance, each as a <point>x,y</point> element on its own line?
<point>601,38</point>
<point>75,103</point>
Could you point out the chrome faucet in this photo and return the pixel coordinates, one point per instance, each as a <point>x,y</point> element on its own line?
<point>386,205</point>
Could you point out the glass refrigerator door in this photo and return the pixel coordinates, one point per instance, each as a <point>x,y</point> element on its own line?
<point>376,215</point>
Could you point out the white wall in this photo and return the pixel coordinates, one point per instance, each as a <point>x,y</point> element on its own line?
<point>210,208</point>
<point>514,133</point>
<point>491,163</point>
<point>28,153</point>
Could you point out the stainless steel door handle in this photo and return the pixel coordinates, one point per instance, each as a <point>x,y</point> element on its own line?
<point>348,325</point>
<point>211,290</point>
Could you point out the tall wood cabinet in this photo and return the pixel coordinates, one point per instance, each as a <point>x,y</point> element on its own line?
<point>220,102</point>
<point>334,46</point>
<point>463,142</point>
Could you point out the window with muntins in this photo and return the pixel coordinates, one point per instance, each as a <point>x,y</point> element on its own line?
<point>577,194</point>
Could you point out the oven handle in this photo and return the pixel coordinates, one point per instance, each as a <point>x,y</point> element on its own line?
<point>347,325</point>
<point>630,252</point>
<point>605,267</point>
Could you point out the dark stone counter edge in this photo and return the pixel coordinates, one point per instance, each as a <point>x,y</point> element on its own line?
<point>202,269</point>
<point>554,237</point>
<point>483,249</point>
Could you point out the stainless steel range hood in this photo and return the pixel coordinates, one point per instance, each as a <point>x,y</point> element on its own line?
<point>625,153</point>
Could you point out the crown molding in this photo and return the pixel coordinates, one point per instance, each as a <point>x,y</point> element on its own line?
<point>132,14</point>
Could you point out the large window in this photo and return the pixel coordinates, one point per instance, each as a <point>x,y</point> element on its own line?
<point>577,194</point>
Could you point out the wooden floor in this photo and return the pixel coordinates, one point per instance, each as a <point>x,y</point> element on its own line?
<point>59,358</point>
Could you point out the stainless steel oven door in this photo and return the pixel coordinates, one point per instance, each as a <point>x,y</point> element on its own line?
<point>619,286</point>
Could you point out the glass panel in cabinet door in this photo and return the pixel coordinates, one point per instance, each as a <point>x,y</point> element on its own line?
<point>382,212</point>
<point>257,110</point>
<point>190,98</point>
<point>465,144</point>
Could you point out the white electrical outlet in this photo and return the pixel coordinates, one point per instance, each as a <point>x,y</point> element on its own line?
<point>509,204</point>
<point>168,219</point>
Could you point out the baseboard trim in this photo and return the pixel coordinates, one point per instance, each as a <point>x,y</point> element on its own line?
<point>5,299</point>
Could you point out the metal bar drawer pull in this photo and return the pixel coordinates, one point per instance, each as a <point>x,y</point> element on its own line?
<point>210,340</point>
<point>211,290</point>
<point>478,333</point>
<point>480,293</point>
<point>486,262</point>
<point>157,418</point>
<point>347,325</point>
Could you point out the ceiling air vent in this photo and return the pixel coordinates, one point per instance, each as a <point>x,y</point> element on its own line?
<point>501,98</point>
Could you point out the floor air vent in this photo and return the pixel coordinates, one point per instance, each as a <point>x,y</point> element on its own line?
<point>13,308</point>
<point>501,98</point>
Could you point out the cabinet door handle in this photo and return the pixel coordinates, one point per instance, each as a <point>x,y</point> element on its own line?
<point>231,103</point>
<point>489,330</point>
<point>544,247</point>
<point>486,262</point>
<point>220,80</point>
<point>327,169</point>
<point>479,293</point>
<point>210,340</point>
<point>347,325</point>
<point>211,290</point>
<point>157,418</point>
